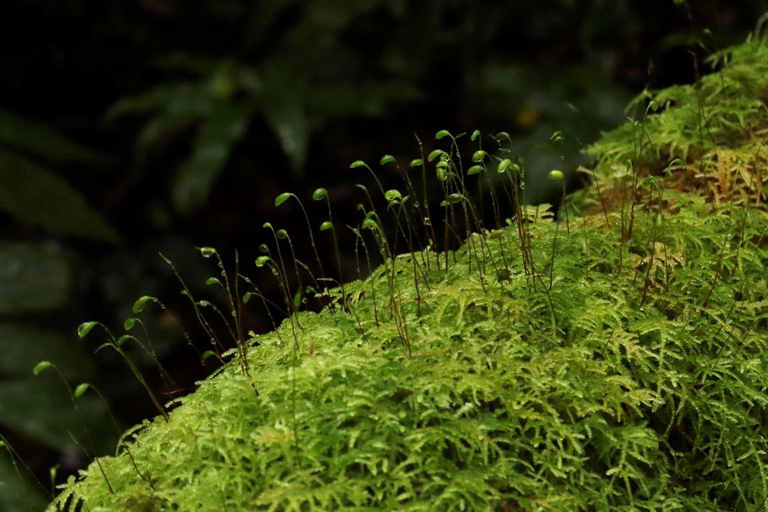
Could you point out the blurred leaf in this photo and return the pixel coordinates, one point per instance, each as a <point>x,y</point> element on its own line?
<point>34,195</point>
<point>286,117</point>
<point>33,277</point>
<point>222,84</point>
<point>41,140</point>
<point>284,110</point>
<point>164,126</point>
<point>18,495</point>
<point>372,100</point>
<point>248,79</point>
<point>150,101</point>
<point>264,14</point>
<point>176,98</point>
<point>678,39</point>
<point>22,346</point>
<point>190,63</point>
<point>40,409</point>
<point>323,21</point>
<point>214,142</point>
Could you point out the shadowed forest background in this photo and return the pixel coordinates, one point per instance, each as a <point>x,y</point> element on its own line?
<point>129,129</point>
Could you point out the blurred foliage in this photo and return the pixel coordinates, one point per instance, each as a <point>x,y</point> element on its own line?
<point>292,88</point>
<point>33,193</point>
<point>18,493</point>
<point>36,278</point>
<point>129,128</point>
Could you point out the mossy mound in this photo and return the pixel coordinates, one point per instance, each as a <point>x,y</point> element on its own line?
<point>620,365</point>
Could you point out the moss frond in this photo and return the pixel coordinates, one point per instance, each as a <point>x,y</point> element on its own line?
<point>617,366</point>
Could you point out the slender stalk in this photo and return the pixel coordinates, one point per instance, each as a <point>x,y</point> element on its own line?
<point>44,365</point>
<point>86,327</point>
<point>319,195</point>
<point>280,200</point>
<point>82,388</point>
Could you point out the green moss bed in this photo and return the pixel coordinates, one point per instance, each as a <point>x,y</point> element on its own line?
<point>616,359</point>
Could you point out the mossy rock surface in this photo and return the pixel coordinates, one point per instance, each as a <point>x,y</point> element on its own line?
<point>627,372</point>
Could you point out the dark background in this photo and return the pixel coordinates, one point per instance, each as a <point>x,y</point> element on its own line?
<point>138,127</point>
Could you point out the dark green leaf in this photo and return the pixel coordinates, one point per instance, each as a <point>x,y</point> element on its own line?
<point>213,144</point>
<point>262,19</point>
<point>36,196</point>
<point>33,278</point>
<point>39,139</point>
<point>282,103</point>
<point>22,346</point>
<point>370,100</point>
<point>196,64</point>
<point>40,409</point>
<point>18,494</point>
<point>163,127</point>
<point>177,99</point>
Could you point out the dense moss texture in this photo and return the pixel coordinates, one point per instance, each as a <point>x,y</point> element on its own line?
<point>620,363</point>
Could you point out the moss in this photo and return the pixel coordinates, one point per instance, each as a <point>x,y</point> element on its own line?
<point>619,365</point>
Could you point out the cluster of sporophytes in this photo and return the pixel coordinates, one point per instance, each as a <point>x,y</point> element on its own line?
<point>610,358</point>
